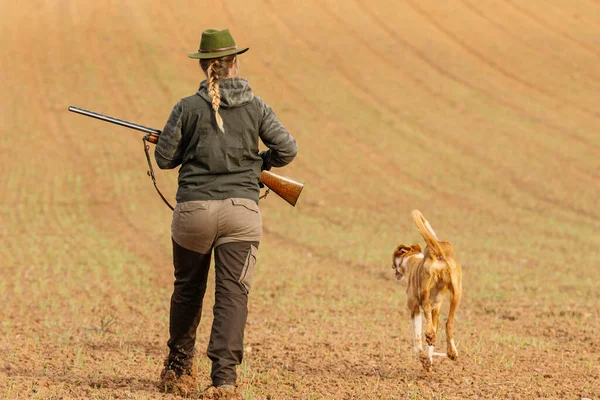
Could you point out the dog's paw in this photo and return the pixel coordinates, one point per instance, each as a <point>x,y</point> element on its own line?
<point>452,354</point>
<point>425,361</point>
<point>430,338</point>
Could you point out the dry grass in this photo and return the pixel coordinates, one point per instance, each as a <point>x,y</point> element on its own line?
<point>483,116</point>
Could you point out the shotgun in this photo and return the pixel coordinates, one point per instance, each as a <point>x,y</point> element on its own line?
<point>286,188</point>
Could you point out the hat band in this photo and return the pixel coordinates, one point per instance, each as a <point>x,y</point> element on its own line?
<point>217,50</point>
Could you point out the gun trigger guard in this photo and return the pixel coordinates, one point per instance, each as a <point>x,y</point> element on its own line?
<point>264,196</point>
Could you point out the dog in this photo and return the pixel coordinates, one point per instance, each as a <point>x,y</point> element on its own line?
<point>430,275</point>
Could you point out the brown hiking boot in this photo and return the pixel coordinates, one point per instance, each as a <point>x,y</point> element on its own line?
<point>178,380</point>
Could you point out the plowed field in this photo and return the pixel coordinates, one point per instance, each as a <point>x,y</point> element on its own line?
<point>482,114</point>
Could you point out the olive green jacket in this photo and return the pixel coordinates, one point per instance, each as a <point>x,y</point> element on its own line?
<point>217,165</point>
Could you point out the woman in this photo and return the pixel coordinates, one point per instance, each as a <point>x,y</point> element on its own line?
<point>214,135</point>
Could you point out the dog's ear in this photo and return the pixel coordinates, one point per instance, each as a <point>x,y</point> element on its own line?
<point>398,253</point>
<point>416,247</point>
<point>401,249</point>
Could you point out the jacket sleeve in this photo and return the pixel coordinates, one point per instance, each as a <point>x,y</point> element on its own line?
<point>282,146</point>
<point>168,152</point>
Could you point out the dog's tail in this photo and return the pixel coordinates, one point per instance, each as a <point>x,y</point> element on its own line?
<point>428,234</point>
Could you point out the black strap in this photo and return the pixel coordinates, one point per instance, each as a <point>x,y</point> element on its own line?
<point>264,196</point>
<point>151,172</point>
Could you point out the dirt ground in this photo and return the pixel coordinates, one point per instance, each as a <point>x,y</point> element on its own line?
<point>483,115</point>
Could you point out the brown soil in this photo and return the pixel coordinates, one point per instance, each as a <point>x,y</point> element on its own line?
<point>185,385</point>
<point>483,115</point>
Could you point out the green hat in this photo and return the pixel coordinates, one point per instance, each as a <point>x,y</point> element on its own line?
<point>215,44</point>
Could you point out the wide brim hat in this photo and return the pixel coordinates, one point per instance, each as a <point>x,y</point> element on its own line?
<point>215,44</point>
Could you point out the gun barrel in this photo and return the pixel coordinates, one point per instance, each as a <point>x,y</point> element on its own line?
<point>114,120</point>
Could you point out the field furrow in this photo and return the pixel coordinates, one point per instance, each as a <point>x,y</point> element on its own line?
<point>483,115</point>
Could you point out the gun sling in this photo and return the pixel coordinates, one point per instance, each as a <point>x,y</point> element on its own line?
<point>150,172</point>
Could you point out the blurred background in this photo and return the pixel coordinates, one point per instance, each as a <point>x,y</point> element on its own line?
<point>481,114</point>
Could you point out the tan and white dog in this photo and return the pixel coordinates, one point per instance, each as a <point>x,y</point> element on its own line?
<point>430,275</point>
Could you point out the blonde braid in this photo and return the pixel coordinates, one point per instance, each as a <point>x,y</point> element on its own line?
<point>213,90</point>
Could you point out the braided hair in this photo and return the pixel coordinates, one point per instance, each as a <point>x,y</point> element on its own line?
<point>216,69</point>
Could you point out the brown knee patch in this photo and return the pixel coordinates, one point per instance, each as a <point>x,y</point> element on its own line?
<point>248,270</point>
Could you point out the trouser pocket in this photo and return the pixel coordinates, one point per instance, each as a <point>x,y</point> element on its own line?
<point>194,225</point>
<point>248,270</point>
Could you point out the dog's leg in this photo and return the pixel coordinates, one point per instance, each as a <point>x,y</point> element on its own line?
<point>425,359</point>
<point>417,319</point>
<point>435,319</point>
<point>435,316</point>
<point>429,331</point>
<point>454,302</point>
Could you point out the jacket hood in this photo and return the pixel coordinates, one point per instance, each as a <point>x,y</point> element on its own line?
<point>235,92</point>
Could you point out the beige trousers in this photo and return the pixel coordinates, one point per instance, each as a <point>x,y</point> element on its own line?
<point>201,225</point>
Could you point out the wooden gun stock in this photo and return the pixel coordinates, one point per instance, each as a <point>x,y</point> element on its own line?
<point>286,188</point>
